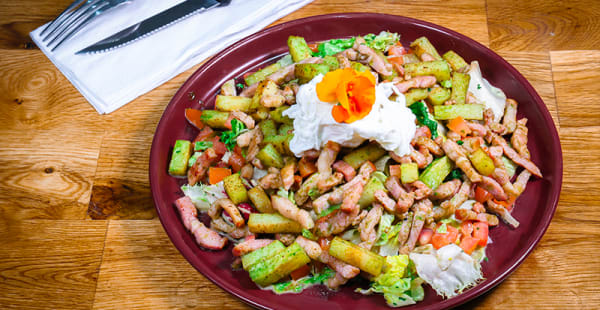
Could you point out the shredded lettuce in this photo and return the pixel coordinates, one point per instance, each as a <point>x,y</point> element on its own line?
<point>399,285</point>
<point>352,235</point>
<point>299,285</point>
<point>382,41</point>
<point>203,195</point>
<point>229,137</point>
<point>388,236</point>
<point>448,270</point>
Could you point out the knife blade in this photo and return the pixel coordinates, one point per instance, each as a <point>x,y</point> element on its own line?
<point>152,25</point>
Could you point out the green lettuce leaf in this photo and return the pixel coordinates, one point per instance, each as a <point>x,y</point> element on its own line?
<point>398,284</point>
<point>334,46</point>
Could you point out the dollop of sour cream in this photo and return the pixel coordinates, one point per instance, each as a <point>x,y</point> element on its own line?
<point>390,123</point>
<point>492,97</point>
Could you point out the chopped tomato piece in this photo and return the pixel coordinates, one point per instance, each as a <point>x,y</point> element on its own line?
<point>300,272</point>
<point>480,232</point>
<point>425,236</point>
<point>439,240</point>
<point>459,125</point>
<point>468,244</point>
<point>219,146</point>
<point>481,195</point>
<point>236,162</point>
<point>314,47</point>
<point>397,50</point>
<point>306,168</point>
<point>399,60</point>
<point>395,171</point>
<point>193,116</point>
<point>216,175</point>
<point>466,228</point>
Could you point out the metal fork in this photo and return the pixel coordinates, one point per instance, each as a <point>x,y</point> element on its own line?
<point>74,18</point>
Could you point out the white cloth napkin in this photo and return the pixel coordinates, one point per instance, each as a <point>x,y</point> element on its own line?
<point>111,79</point>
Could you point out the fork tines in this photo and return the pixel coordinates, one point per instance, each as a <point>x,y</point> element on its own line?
<point>73,19</point>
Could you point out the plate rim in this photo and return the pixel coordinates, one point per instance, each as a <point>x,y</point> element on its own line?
<point>446,303</point>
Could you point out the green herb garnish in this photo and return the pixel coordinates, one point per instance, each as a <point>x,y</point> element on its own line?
<point>454,174</point>
<point>419,109</point>
<point>329,210</point>
<point>228,137</point>
<point>240,85</point>
<point>460,142</point>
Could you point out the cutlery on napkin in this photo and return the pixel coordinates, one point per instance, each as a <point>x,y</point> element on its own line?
<point>112,79</point>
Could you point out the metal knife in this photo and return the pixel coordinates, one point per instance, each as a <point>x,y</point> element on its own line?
<point>153,24</point>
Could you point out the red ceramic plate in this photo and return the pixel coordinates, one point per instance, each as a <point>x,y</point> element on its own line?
<point>534,208</point>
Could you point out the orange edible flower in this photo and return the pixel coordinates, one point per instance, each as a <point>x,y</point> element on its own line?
<point>355,92</point>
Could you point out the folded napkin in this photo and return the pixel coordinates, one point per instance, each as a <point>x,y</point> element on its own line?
<point>111,79</point>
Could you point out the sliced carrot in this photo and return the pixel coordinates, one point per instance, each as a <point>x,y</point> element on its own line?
<point>468,244</point>
<point>300,272</point>
<point>508,204</point>
<point>193,116</point>
<point>460,126</point>
<point>216,175</point>
<point>395,171</point>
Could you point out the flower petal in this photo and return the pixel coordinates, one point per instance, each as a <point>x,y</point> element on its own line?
<point>326,89</point>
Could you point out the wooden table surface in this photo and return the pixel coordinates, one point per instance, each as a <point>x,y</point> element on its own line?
<point>78,229</point>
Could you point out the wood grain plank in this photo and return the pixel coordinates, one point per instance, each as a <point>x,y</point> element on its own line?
<point>465,16</point>
<point>540,25</point>
<point>49,264</point>
<point>121,186</point>
<point>537,69</point>
<point>576,76</point>
<point>141,269</point>
<point>49,141</point>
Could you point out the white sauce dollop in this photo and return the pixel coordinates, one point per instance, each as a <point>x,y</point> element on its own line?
<point>390,123</point>
<point>492,97</point>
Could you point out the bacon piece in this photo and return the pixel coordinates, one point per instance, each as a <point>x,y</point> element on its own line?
<point>345,169</point>
<point>249,245</point>
<point>205,237</point>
